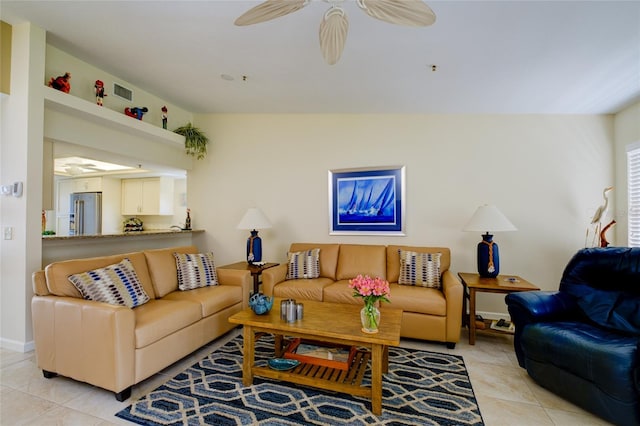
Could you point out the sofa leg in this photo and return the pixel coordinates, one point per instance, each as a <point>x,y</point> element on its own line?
<point>451,345</point>
<point>49,374</point>
<point>124,395</point>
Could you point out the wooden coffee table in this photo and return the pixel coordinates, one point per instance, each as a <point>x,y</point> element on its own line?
<point>327,322</point>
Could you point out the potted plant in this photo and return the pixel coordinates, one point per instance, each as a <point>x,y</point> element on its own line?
<point>195,142</point>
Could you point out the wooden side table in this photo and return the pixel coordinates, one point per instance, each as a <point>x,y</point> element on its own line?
<point>474,283</point>
<point>256,271</point>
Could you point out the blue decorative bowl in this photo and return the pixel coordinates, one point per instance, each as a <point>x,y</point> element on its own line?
<point>260,304</point>
<point>283,364</point>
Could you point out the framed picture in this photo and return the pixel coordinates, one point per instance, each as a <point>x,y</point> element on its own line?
<point>367,201</point>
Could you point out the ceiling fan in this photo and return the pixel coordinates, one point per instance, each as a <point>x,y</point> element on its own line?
<point>79,168</point>
<point>334,24</point>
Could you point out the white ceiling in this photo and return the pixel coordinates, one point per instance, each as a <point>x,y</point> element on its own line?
<point>577,57</point>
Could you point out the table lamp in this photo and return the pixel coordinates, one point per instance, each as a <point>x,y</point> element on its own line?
<point>254,219</point>
<point>488,219</point>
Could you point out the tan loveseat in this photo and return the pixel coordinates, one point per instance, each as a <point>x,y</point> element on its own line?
<point>428,313</point>
<point>115,347</point>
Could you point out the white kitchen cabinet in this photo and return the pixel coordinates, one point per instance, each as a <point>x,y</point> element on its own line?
<point>147,196</point>
<point>65,189</point>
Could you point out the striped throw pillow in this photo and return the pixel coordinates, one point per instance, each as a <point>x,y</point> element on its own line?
<point>304,264</point>
<point>422,269</point>
<point>115,284</point>
<point>195,270</point>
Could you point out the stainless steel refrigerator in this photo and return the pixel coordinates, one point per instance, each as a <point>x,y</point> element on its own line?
<point>85,216</point>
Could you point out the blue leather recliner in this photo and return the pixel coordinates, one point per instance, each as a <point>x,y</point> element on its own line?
<point>582,342</point>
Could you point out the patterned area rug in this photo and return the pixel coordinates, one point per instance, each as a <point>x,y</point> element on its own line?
<point>421,388</point>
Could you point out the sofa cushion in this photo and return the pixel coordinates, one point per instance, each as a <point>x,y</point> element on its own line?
<point>422,269</point>
<point>115,284</point>
<point>393,259</point>
<point>159,318</point>
<point>340,292</point>
<point>328,256</point>
<point>599,356</point>
<point>195,270</point>
<point>57,273</point>
<point>212,299</point>
<point>304,264</point>
<point>417,299</point>
<point>355,259</point>
<point>162,268</point>
<point>311,289</point>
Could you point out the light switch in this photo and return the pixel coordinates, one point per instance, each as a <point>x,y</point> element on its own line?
<point>8,232</point>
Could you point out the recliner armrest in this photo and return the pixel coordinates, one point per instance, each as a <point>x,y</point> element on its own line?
<point>530,307</point>
<point>540,306</point>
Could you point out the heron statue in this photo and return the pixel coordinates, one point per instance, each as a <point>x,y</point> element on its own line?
<point>601,213</point>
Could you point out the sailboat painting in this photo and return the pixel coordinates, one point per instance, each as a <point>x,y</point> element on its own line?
<point>367,200</point>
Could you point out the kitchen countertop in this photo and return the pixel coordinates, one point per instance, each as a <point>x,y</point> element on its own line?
<point>133,234</point>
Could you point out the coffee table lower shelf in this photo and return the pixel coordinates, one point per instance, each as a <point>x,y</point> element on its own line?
<point>317,376</point>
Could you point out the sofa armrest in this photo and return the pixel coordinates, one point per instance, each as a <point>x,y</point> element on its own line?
<point>273,276</point>
<point>453,292</point>
<point>88,341</point>
<point>237,277</point>
<point>39,283</point>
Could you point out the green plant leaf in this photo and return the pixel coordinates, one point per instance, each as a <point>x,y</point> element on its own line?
<point>195,141</point>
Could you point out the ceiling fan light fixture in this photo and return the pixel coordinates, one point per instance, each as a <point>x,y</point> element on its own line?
<point>333,34</point>
<point>335,25</point>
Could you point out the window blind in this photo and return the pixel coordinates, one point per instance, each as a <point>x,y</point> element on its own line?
<point>633,184</point>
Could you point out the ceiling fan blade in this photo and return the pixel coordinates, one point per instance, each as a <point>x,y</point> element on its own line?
<point>333,34</point>
<point>412,13</point>
<point>269,10</point>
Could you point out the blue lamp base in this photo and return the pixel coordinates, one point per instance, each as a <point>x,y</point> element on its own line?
<point>488,257</point>
<point>254,247</point>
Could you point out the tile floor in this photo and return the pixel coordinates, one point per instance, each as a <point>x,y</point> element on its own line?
<point>505,393</point>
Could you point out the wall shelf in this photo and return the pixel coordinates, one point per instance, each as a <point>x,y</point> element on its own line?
<point>74,106</point>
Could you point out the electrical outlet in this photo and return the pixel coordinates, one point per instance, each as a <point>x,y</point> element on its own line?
<point>8,232</point>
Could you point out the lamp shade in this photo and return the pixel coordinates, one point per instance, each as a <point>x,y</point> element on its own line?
<point>489,219</point>
<point>254,219</point>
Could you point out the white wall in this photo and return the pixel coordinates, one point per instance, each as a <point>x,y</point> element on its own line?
<point>84,75</point>
<point>627,131</point>
<point>21,161</point>
<point>546,174</point>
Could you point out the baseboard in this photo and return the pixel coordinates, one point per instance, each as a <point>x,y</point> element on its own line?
<point>16,346</point>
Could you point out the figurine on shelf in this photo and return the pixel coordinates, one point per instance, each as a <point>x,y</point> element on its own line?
<point>136,112</point>
<point>61,82</point>
<point>164,117</point>
<point>99,86</point>
<point>187,222</point>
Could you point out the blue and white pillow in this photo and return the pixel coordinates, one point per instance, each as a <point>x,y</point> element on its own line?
<point>304,264</point>
<point>115,284</point>
<point>421,269</point>
<point>195,270</point>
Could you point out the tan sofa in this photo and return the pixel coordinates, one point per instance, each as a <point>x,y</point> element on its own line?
<point>115,347</point>
<point>428,313</point>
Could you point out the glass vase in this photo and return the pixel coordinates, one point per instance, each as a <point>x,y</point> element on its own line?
<point>370,318</point>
